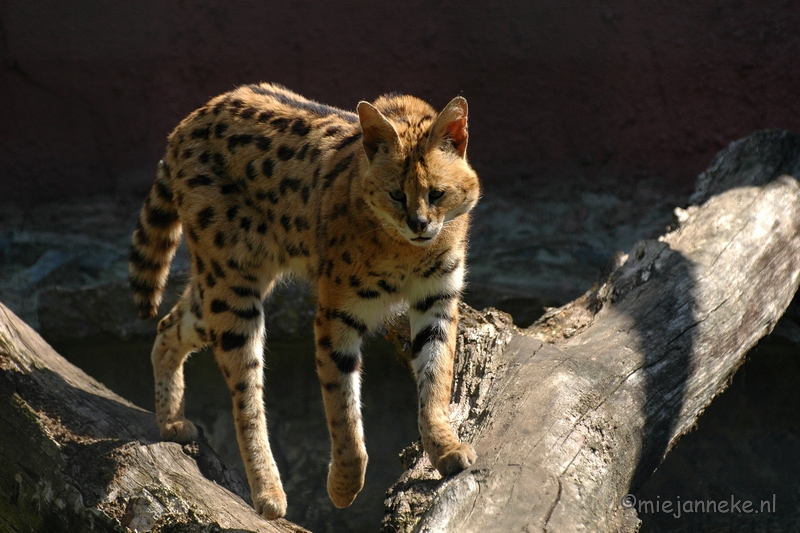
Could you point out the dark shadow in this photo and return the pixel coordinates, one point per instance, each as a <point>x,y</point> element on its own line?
<point>753,161</point>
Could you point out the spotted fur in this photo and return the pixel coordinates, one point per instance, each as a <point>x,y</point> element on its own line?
<point>372,207</point>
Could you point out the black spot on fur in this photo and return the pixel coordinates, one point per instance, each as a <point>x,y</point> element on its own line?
<point>432,333</point>
<point>286,222</point>
<point>347,141</point>
<point>220,130</point>
<point>163,191</point>
<point>386,287</point>
<point>270,195</point>
<point>232,212</point>
<point>301,223</point>
<point>262,228</point>
<point>219,165</point>
<point>346,258</point>
<point>217,268</point>
<point>423,305</point>
<point>349,320</point>
<point>432,269</point>
<point>325,342</point>
<point>200,180</point>
<point>340,167</point>
<point>228,188</point>
<point>205,217</point>
<point>263,143</point>
<point>248,112</point>
<point>219,239</point>
<point>201,133</point>
<point>285,153</point>
<point>280,124</point>
<point>345,362</point>
<point>368,294</point>
<point>140,285</point>
<point>219,306</point>
<point>248,314</point>
<point>299,127</point>
<point>230,340</point>
<point>250,171</point>
<point>292,184</point>
<point>245,223</point>
<point>245,292</point>
<point>140,261</point>
<point>160,218</point>
<point>237,140</point>
<point>339,210</point>
<point>268,167</point>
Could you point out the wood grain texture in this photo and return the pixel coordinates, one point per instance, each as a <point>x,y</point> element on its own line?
<point>570,426</point>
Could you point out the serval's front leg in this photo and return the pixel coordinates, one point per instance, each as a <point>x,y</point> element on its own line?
<point>235,321</point>
<point>434,323</point>
<point>338,357</point>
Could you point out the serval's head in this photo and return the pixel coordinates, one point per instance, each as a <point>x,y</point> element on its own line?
<point>418,177</point>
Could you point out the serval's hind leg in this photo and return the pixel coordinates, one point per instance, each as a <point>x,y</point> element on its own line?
<point>180,333</point>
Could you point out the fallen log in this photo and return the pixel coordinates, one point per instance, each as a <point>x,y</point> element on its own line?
<point>74,456</point>
<point>574,413</point>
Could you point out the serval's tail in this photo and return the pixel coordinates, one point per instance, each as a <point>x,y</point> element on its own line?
<point>157,235</point>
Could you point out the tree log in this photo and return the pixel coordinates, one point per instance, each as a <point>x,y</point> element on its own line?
<point>577,411</point>
<point>74,456</point>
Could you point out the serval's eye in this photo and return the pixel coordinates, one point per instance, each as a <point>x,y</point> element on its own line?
<point>435,194</point>
<point>398,196</point>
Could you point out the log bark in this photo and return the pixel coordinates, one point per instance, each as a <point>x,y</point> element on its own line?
<point>576,412</point>
<point>74,456</point>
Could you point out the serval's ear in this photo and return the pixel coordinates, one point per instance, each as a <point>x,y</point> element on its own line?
<point>450,127</point>
<point>377,131</point>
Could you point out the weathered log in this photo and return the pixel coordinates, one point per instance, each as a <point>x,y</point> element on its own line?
<point>577,411</point>
<point>74,456</point>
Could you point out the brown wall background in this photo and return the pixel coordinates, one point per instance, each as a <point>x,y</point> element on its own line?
<point>558,89</point>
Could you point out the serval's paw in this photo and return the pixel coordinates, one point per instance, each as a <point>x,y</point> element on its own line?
<point>270,504</point>
<point>346,479</point>
<point>456,460</point>
<point>181,431</point>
